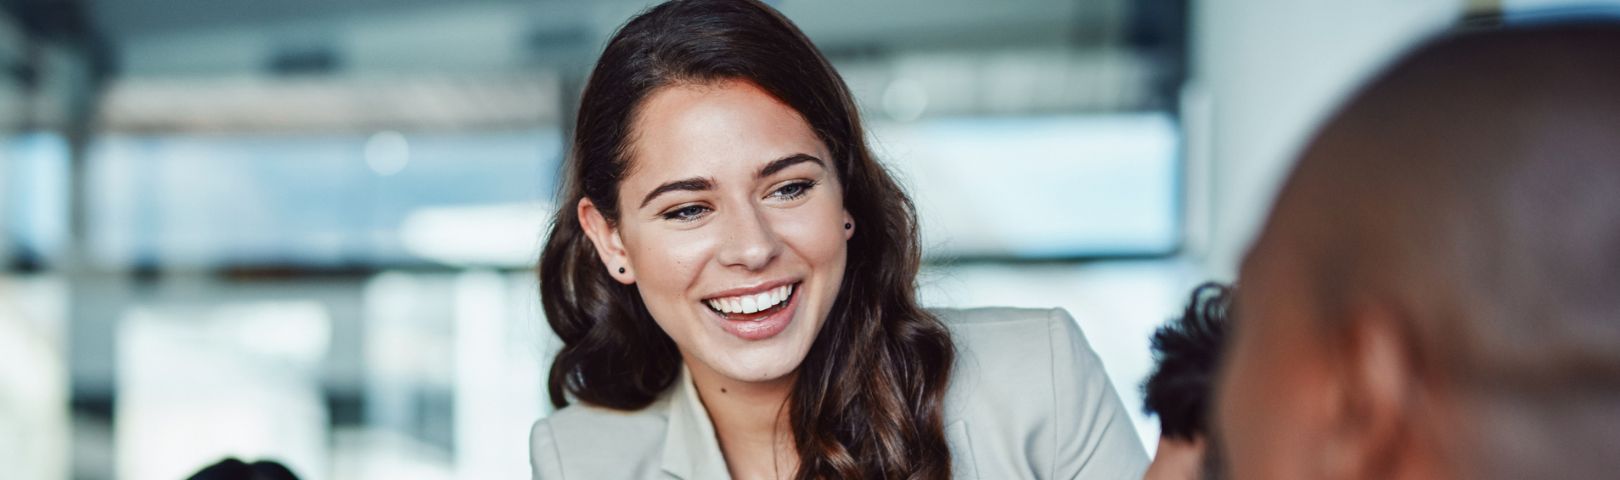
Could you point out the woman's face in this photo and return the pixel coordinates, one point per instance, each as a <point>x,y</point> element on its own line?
<point>732,227</point>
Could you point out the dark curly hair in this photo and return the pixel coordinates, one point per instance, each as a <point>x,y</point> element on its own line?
<point>868,399</point>
<point>233,469</point>
<point>1187,352</point>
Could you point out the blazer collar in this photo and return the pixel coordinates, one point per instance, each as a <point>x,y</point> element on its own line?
<point>691,449</point>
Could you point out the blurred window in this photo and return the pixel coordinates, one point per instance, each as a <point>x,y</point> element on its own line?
<point>1049,187</point>
<point>34,183</point>
<point>209,200</point>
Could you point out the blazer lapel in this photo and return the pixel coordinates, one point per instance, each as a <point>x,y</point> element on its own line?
<point>691,449</point>
<point>962,464</point>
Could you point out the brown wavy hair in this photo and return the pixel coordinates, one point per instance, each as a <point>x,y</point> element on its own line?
<point>868,400</point>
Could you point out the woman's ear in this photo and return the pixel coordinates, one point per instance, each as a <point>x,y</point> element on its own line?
<point>605,238</point>
<point>849,225</point>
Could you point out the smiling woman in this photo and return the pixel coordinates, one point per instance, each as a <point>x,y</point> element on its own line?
<point>733,277</point>
<point>734,212</point>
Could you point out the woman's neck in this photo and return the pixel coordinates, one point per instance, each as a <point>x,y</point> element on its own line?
<point>751,419</point>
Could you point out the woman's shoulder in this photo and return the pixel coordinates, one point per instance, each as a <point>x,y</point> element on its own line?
<point>990,315</point>
<point>597,441</point>
<point>1003,351</point>
<point>1014,347</point>
<point>1016,330</point>
<point>582,422</point>
<point>1027,380</point>
<point>1014,359</point>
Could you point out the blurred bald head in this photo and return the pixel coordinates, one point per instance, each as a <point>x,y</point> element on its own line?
<point>1451,239</point>
<point>1478,181</point>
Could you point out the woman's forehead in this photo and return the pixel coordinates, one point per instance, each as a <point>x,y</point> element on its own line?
<point>707,129</point>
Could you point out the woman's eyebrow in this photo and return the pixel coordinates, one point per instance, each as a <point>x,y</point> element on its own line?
<point>693,184</point>
<point>697,184</point>
<point>785,162</point>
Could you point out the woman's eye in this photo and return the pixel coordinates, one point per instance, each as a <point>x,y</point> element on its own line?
<point>687,213</point>
<point>793,190</point>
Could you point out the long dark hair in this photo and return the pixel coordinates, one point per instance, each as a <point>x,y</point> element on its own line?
<point>868,401</point>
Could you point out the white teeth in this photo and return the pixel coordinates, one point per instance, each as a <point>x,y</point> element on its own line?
<point>751,303</point>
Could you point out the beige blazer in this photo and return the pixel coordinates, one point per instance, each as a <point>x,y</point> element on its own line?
<point>1028,399</point>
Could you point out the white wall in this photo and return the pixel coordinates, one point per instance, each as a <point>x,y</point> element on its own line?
<point>34,422</point>
<point>1273,69</point>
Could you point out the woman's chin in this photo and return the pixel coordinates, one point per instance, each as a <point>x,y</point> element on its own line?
<point>759,365</point>
<point>760,375</point>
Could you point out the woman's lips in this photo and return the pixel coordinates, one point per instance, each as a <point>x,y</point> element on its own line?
<point>762,324</point>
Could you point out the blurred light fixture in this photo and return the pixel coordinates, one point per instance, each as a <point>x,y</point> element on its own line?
<point>387,152</point>
<point>905,100</point>
<point>1044,81</point>
<point>337,103</point>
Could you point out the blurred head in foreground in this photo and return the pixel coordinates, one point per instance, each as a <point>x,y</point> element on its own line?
<point>1180,390</point>
<point>233,469</point>
<point>1436,293</point>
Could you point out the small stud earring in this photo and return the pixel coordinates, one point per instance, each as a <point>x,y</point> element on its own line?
<point>848,225</point>
<point>621,270</point>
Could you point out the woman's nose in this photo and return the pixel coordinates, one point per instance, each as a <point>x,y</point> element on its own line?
<point>749,243</point>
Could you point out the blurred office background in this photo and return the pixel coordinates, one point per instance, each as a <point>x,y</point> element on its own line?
<point>303,229</point>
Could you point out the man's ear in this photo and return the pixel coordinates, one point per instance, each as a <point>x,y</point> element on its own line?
<point>605,238</point>
<point>1378,378</point>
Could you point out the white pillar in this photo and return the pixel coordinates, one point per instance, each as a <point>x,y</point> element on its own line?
<point>1273,70</point>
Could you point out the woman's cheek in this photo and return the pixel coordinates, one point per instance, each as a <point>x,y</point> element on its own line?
<point>668,264</point>
<point>817,233</point>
